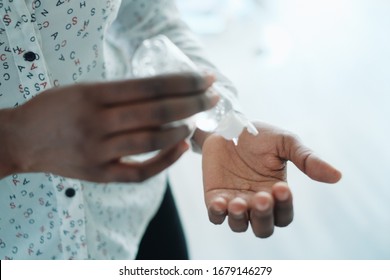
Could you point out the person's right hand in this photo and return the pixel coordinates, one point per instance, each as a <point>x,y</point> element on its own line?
<point>83,131</point>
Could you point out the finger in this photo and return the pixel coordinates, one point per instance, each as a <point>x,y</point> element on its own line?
<point>141,171</point>
<point>283,208</point>
<point>238,214</point>
<point>313,166</point>
<point>156,112</point>
<point>138,142</point>
<point>261,215</point>
<point>142,89</point>
<point>217,210</point>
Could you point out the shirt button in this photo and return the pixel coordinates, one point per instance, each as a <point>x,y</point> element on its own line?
<point>29,56</point>
<point>70,192</point>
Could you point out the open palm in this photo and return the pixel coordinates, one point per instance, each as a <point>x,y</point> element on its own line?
<point>247,182</point>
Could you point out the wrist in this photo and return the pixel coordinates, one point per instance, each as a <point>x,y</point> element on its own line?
<point>8,163</point>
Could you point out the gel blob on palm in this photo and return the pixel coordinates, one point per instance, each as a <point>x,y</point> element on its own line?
<point>158,55</point>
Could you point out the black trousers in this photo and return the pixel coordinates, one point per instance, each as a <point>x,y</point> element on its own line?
<point>164,238</point>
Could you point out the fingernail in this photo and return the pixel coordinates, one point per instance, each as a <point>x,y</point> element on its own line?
<point>282,195</point>
<point>218,206</point>
<point>210,78</point>
<point>262,205</point>
<point>218,212</point>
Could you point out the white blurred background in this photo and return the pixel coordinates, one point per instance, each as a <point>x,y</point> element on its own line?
<point>319,68</point>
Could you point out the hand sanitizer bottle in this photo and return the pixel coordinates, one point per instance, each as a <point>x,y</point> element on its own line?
<point>158,55</point>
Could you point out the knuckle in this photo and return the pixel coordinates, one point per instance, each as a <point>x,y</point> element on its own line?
<point>286,143</point>
<point>289,138</point>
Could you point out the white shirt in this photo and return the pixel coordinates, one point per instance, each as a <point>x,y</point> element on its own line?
<point>46,44</point>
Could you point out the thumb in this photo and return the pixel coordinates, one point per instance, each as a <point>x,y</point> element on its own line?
<point>309,163</point>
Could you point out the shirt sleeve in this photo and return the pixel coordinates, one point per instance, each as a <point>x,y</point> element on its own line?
<point>140,20</point>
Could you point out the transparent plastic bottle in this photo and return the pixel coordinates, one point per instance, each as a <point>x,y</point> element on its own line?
<point>158,55</point>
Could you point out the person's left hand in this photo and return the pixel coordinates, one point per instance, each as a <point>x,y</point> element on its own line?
<point>247,182</point>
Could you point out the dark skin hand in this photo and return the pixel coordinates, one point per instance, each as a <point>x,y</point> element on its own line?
<point>82,131</point>
<point>247,183</point>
